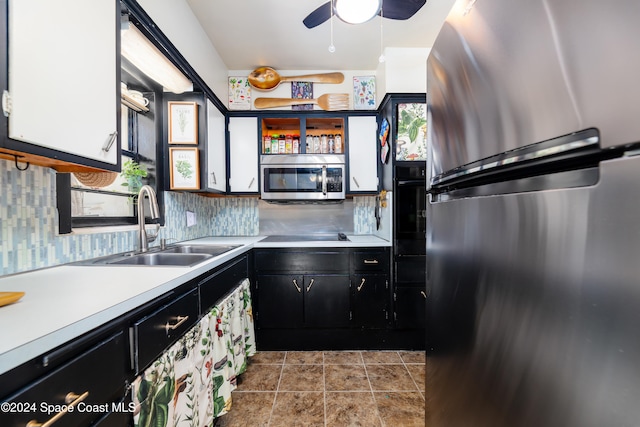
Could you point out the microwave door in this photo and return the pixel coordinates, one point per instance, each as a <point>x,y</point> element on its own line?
<point>282,179</point>
<point>293,180</point>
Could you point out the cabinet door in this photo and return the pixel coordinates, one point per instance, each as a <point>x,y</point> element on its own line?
<point>363,154</point>
<point>216,149</point>
<point>410,307</point>
<point>280,301</point>
<point>326,301</point>
<point>370,300</point>
<point>243,154</point>
<point>63,76</point>
<point>95,377</point>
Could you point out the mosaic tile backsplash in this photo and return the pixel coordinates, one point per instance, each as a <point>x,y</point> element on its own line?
<point>29,222</point>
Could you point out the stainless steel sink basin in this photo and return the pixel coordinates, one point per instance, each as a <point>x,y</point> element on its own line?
<point>163,258</point>
<point>214,250</point>
<point>174,256</point>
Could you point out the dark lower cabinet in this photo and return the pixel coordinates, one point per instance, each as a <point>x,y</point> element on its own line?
<point>88,384</point>
<point>370,300</point>
<point>303,301</point>
<point>322,298</point>
<point>410,307</point>
<point>326,301</point>
<point>370,288</point>
<point>281,301</point>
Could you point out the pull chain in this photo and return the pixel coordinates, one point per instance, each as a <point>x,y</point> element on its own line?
<point>332,48</point>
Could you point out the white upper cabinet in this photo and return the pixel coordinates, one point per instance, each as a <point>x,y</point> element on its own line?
<point>216,149</point>
<point>243,155</point>
<point>63,76</point>
<point>363,157</point>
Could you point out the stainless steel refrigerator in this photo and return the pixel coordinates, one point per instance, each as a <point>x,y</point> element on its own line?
<point>533,213</point>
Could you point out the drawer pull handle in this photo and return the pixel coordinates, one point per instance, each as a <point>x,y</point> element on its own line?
<point>71,399</point>
<point>361,284</point>
<point>371,261</point>
<point>423,294</point>
<point>310,285</point>
<point>181,320</point>
<point>295,283</point>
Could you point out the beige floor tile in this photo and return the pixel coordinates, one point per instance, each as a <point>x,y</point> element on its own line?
<point>404,409</point>
<point>390,378</point>
<point>418,374</point>
<point>304,358</point>
<point>413,356</point>
<point>330,389</point>
<point>298,409</point>
<point>381,357</point>
<point>346,378</point>
<point>343,358</point>
<point>268,357</point>
<point>353,409</point>
<point>260,378</point>
<point>249,409</point>
<point>301,378</point>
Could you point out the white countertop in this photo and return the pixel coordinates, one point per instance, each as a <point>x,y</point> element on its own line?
<point>64,302</point>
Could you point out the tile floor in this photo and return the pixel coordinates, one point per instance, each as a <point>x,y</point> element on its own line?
<point>330,389</point>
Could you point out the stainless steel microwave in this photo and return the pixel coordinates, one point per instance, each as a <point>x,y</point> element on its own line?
<point>302,177</point>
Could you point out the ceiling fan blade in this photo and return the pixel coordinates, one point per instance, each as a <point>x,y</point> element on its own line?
<point>401,9</point>
<point>318,16</point>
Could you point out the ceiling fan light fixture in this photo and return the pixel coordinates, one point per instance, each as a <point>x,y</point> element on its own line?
<point>357,11</point>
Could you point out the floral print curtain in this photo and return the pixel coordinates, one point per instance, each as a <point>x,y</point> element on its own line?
<point>191,383</point>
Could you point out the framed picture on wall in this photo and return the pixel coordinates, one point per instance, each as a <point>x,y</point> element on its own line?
<point>411,137</point>
<point>302,90</point>
<point>364,93</point>
<point>184,168</point>
<point>239,93</point>
<point>183,122</point>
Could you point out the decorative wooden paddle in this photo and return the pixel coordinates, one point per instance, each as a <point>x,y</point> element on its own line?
<point>328,102</point>
<point>266,78</point>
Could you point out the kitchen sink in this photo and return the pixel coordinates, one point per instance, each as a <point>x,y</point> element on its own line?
<point>163,258</point>
<point>173,256</point>
<point>200,249</point>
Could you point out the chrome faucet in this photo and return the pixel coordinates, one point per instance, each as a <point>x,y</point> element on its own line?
<point>143,238</point>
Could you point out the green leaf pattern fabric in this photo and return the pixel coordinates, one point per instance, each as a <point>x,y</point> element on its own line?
<point>191,383</point>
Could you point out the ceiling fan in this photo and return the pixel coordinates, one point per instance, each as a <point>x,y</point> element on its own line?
<point>392,9</point>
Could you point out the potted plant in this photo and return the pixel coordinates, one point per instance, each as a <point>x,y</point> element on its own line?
<point>133,173</point>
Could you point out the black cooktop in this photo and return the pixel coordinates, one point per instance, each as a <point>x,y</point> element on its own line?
<point>305,238</point>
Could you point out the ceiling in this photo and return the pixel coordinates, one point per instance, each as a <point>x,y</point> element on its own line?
<point>252,33</point>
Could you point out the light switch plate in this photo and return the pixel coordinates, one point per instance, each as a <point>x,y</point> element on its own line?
<point>191,219</point>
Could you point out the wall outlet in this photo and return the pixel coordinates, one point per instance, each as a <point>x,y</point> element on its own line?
<point>191,219</point>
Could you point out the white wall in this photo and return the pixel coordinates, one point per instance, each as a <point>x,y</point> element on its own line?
<point>405,70</point>
<point>176,20</point>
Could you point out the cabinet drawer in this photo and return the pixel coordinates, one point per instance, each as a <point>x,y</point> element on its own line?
<point>411,270</point>
<point>216,285</point>
<point>152,334</point>
<point>302,260</point>
<point>95,377</point>
<point>370,260</point>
